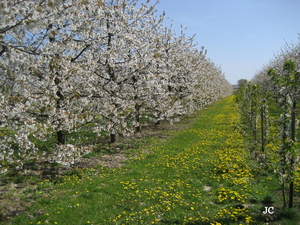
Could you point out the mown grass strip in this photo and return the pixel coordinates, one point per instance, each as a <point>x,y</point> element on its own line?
<point>202,175</point>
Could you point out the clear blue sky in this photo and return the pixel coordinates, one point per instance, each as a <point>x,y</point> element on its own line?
<point>239,35</point>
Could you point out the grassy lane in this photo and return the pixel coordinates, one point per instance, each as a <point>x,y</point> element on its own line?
<point>201,175</point>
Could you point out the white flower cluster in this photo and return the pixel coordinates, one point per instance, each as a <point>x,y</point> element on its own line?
<point>67,155</point>
<point>67,63</point>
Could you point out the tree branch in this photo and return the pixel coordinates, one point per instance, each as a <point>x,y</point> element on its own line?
<point>80,53</point>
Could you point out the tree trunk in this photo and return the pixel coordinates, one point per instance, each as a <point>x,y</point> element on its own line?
<point>112,138</point>
<point>283,195</point>
<point>61,137</point>
<point>262,129</point>
<point>137,114</point>
<point>293,137</point>
<point>254,128</point>
<point>293,125</point>
<point>291,195</point>
<point>138,127</point>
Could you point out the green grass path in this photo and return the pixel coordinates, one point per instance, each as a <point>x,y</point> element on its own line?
<point>199,176</point>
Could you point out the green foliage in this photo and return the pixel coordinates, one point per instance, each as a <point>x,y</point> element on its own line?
<point>254,114</point>
<point>288,83</point>
<point>250,99</point>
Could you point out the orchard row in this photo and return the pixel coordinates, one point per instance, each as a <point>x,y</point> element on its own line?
<point>277,85</point>
<point>113,64</point>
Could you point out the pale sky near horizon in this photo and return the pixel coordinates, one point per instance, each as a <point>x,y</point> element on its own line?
<point>240,35</point>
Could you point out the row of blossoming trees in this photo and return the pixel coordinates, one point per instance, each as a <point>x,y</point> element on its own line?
<point>68,63</point>
<point>279,80</point>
